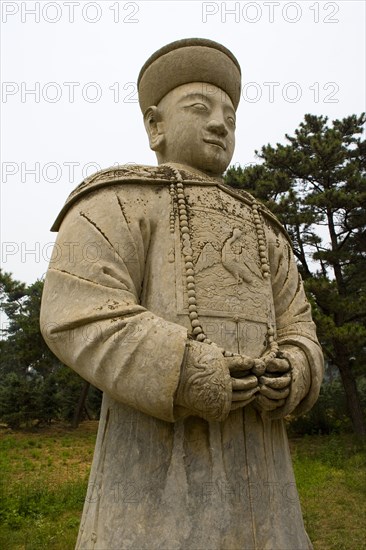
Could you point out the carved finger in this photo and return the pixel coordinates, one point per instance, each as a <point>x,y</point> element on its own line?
<point>276,383</point>
<point>239,363</point>
<point>259,367</point>
<point>246,383</point>
<point>268,404</point>
<point>274,394</point>
<point>278,365</point>
<point>244,395</point>
<point>240,404</point>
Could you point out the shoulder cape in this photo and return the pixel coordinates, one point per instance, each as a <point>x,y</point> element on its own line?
<point>160,175</point>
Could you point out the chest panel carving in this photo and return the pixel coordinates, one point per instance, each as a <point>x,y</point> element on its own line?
<point>234,300</point>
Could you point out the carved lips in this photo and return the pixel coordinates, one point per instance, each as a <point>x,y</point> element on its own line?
<point>216,142</point>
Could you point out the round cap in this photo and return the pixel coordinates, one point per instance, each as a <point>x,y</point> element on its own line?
<point>188,60</point>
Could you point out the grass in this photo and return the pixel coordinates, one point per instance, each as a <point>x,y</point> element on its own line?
<point>44,479</point>
<point>45,473</point>
<point>330,473</point>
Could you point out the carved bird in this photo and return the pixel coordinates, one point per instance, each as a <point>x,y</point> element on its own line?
<point>232,258</point>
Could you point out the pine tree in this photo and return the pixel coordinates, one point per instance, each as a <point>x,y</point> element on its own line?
<point>316,185</point>
<point>34,385</point>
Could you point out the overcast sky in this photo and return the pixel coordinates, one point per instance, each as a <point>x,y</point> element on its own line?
<point>69,102</point>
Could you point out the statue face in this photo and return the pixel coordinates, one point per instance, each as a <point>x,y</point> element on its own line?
<point>198,123</point>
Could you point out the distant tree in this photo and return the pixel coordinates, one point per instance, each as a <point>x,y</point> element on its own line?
<point>19,399</point>
<point>23,348</point>
<point>34,384</point>
<point>50,402</point>
<point>316,186</point>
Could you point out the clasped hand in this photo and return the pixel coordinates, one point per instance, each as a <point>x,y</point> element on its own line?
<point>268,390</point>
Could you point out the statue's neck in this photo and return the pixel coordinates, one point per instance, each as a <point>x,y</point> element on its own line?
<point>179,166</point>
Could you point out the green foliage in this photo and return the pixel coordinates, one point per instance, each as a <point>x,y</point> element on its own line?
<point>35,387</point>
<point>43,492</point>
<point>19,399</point>
<point>330,474</point>
<point>316,186</point>
<point>329,414</point>
<point>50,401</point>
<point>35,500</point>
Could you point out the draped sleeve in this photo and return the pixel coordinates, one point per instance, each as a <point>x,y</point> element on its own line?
<point>296,332</point>
<point>91,316</point>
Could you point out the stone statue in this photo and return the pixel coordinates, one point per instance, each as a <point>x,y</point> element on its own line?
<point>179,297</point>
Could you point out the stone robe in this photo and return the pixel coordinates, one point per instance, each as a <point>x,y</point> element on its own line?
<point>115,309</point>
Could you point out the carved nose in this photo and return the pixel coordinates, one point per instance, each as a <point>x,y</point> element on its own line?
<point>217,127</point>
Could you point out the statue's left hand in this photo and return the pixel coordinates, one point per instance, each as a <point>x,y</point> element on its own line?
<point>274,385</point>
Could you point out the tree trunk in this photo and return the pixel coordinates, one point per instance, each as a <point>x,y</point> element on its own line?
<point>81,404</point>
<point>352,398</point>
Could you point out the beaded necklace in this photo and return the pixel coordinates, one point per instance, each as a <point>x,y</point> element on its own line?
<point>178,196</point>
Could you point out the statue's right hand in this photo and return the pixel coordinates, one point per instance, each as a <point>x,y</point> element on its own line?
<point>205,386</point>
<point>244,385</point>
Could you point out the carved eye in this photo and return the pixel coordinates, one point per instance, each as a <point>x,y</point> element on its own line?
<point>231,121</point>
<point>199,106</point>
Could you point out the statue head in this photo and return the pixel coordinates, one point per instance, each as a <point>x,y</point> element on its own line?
<point>188,92</point>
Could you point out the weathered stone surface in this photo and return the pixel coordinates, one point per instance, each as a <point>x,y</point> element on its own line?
<point>181,300</point>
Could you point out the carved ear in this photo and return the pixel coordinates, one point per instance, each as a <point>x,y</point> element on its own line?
<point>154,128</point>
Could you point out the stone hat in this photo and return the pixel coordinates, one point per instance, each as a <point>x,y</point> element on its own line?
<point>188,60</point>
